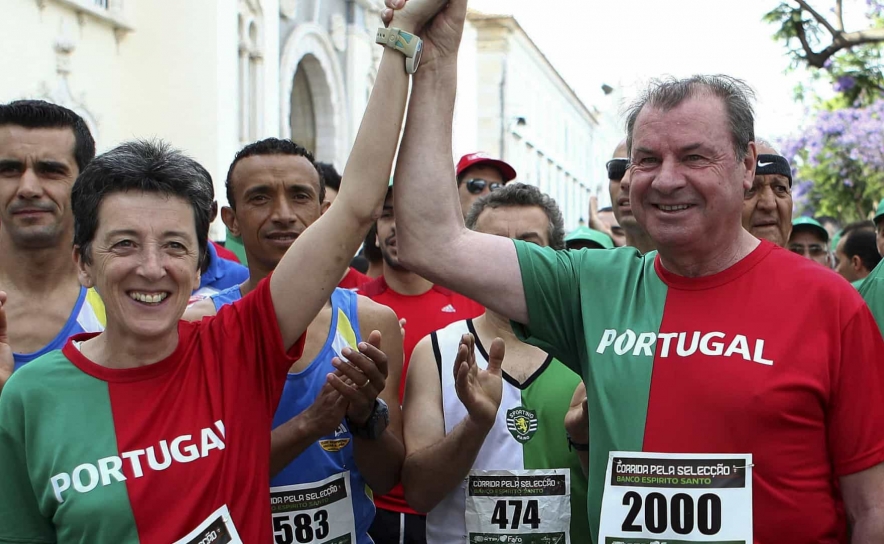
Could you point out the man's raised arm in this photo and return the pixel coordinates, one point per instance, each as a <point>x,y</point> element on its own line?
<point>313,265</point>
<point>431,237</point>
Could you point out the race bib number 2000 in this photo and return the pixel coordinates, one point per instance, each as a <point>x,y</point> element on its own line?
<point>518,506</point>
<point>677,498</point>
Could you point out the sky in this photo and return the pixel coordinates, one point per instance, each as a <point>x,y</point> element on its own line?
<point>625,43</point>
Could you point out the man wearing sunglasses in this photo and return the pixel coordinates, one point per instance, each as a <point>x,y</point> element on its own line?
<point>478,174</point>
<point>618,186</point>
<point>810,239</point>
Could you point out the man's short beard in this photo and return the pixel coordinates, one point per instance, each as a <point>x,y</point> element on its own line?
<point>392,262</point>
<point>44,237</point>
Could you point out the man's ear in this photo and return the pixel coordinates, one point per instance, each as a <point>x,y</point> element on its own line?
<point>856,263</point>
<point>84,271</point>
<point>324,207</point>
<point>228,217</point>
<point>750,161</point>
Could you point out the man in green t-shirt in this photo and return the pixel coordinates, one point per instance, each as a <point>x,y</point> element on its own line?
<point>879,226</point>
<point>690,355</point>
<point>872,289</point>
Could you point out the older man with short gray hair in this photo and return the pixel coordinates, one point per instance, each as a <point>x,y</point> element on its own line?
<point>696,401</point>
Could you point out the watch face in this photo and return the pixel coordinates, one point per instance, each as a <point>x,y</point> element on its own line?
<point>417,54</point>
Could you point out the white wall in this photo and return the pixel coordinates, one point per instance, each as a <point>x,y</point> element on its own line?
<point>174,76</point>
<point>271,69</point>
<point>28,60</point>
<point>554,149</point>
<point>180,79</point>
<point>465,130</point>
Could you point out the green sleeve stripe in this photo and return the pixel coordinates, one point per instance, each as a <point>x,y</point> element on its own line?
<point>60,423</point>
<point>579,304</point>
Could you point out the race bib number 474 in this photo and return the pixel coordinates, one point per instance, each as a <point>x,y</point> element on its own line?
<point>518,506</point>
<point>677,498</point>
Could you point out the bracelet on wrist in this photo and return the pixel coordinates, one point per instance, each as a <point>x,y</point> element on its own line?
<point>576,446</point>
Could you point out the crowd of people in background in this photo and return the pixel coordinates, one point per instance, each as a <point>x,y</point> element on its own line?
<point>852,250</point>
<point>418,351</point>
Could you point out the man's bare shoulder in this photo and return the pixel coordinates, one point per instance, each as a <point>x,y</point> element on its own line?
<point>371,312</point>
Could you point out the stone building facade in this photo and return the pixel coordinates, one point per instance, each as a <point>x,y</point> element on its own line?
<point>212,75</point>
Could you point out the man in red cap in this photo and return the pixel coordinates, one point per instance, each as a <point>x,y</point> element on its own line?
<point>478,174</point>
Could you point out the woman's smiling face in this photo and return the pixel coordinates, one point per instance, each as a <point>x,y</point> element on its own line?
<point>144,262</point>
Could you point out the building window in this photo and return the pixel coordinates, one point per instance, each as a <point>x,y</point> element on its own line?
<point>303,120</point>
<point>251,58</point>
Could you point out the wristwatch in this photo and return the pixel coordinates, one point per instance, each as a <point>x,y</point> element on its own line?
<point>376,424</point>
<point>576,445</point>
<point>405,42</point>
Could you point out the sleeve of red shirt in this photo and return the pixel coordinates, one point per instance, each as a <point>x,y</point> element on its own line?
<point>856,409</point>
<point>253,320</point>
<point>354,279</point>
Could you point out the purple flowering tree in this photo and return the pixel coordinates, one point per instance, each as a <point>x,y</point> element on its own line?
<point>838,162</point>
<point>838,158</point>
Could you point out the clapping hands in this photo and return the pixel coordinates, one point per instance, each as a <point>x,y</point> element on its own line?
<point>480,391</point>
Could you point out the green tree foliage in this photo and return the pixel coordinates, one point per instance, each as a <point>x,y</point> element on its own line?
<point>839,157</point>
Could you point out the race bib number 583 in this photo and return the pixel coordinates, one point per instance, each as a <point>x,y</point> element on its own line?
<point>315,513</point>
<point>681,498</point>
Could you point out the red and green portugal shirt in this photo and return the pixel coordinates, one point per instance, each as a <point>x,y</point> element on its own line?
<point>774,356</point>
<point>149,454</point>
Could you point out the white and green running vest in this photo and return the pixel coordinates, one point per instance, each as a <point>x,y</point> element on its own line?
<point>527,439</point>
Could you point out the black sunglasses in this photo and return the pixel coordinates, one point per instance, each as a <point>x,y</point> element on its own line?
<point>617,168</point>
<point>476,186</point>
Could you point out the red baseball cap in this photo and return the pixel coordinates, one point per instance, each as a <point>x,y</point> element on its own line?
<point>506,171</point>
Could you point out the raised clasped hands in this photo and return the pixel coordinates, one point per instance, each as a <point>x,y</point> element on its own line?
<point>439,23</point>
<point>480,391</point>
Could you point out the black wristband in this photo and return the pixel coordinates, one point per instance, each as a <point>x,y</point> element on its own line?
<point>575,445</point>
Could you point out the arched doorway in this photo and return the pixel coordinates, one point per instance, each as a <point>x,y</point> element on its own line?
<point>312,95</point>
<point>303,118</point>
<point>312,118</point>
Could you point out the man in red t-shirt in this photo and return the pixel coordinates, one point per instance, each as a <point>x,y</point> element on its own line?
<point>425,308</point>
